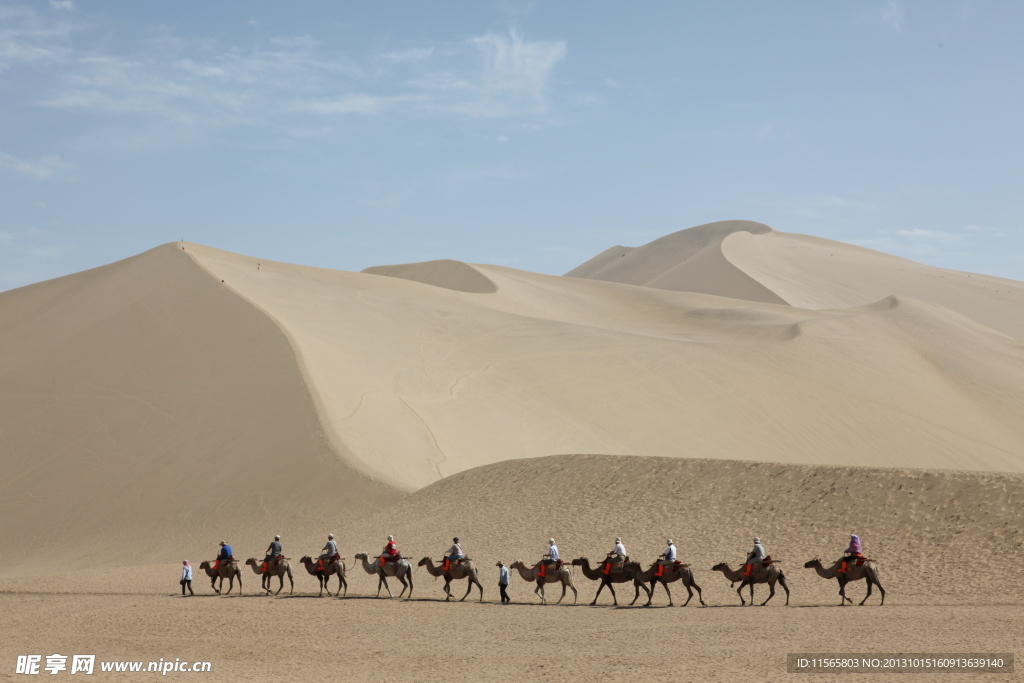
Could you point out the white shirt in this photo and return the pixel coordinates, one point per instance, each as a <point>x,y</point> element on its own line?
<point>757,554</point>
<point>186,573</point>
<point>456,549</point>
<point>332,547</point>
<point>619,549</point>
<point>670,553</point>
<point>553,551</point>
<point>503,578</point>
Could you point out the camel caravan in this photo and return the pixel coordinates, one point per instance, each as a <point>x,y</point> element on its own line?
<point>615,568</point>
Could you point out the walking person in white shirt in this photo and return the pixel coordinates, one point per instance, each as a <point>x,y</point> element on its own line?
<point>186,577</point>
<point>503,582</point>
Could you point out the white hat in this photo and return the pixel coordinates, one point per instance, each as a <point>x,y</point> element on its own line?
<point>277,538</point>
<point>551,540</point>
<point>391,538</point>
<point>670,541</point>
<point>756,539</point>
<point>223,543</point>
<point>618,540</point>
<point>330,535</point>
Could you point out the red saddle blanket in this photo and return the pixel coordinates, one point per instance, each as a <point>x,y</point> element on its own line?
<point>542,570</point>
<point>659,570</point>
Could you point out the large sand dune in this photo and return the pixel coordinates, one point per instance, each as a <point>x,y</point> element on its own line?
<point>747,260</point>
<point>188,390</point>
<point>728,382</point>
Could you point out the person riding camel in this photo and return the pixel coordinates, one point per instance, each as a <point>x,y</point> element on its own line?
<point>550,558</point>
<point>328,553</point>
<point>754,557</point>
<point>225,555</point>
<point>667,558</point>
<point>453,554</point>
<point>852,552</point>
<point>616,556</point>
<point>390,552</point>
<point>273,553</point>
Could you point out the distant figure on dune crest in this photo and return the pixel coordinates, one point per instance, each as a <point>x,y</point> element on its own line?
<point>503,582</point>
<point>186,577</point>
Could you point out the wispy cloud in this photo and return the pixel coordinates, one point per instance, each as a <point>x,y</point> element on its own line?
<point>892,15</point>
<point>44,167</point>
<point>172,79</point>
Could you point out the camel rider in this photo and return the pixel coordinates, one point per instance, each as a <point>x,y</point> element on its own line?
<point>852,552</point>
<point>453,554</point>
<point>754,557</point>
<point>330,549</point>
<point>667,558</point>
<point>390,552</point>
<point>225,554</point>
<point>618,554</point>
<point>273,552</point>
<point>552,555</point>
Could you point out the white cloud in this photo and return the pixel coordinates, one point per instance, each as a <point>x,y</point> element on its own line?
<point>44,167</point>
<point>356,103</point>
<point>501,138</point>
<point>68,5</point>
<point>933,235</point>
<point>415,54</point>
<point>892,15</point>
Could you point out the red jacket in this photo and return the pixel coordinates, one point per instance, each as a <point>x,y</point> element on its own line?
<point>391,548</point>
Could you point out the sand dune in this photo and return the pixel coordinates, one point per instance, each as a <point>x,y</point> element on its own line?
<point>142,405</point>
<point>420,382</point>
<point>149,397</point>
<point>747,260</point>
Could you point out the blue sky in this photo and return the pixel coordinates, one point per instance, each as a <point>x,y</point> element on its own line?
<point>532,135</point>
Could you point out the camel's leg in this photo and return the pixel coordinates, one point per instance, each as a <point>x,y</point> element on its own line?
<point>481,587</point>
<point>615,600</point>
<point>751,584</point>
<point>842,594</point>
<point>650,593</point>
<point>213,585</point>
<point>575,593</point>
<point>880,589</point>
<point>469,587</point>
<point>868,578</point>
<point>599,589</point>
<point>739,592</point>
<point>404,584</point>
<point>563,594</point>
<point>539,591</point>
<point>670,603</point>
<point>771,594</point>
<point>410,585</point>
<point>344,583</point>
<point>384,579</point>
<point>700,596</point>
<point>785,586</point>
<point>447,588</point>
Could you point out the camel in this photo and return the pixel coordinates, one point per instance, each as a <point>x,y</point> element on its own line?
<point>464,570</point>
<point>278,569</point>
<point>622,576</point>
<point>225,570</point>
<point>563,576</point>
<point>400,569</point>
<point>868,571</point>
<point>673,573</point>
<point>757,575</point>
<point>324,576</point>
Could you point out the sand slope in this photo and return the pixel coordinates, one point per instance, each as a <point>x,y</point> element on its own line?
<point>143,404</point>
<point>418,382</point>
<point>747,260</point>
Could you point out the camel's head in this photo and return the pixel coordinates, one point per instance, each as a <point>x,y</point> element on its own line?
<point>306,559</point>
<point>812,563</point>
<point>251,561</point>
<point>578,561</point>
<point>518,564</point>
<point>360,556</point>
<point>423,562</point>
<point>720,567</point>
<point>204,565</point>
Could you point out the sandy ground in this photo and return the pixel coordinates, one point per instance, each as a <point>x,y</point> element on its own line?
<point>354,639</point>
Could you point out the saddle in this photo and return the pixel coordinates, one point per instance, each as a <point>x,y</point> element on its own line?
<point>542,567</point>
<point>321,563</point>
<point>446,565</point>
<point>384,559</point>
<point>660,567</point>
<point>858,561</point>
<point>273,563</point>
<point>616,564</point>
